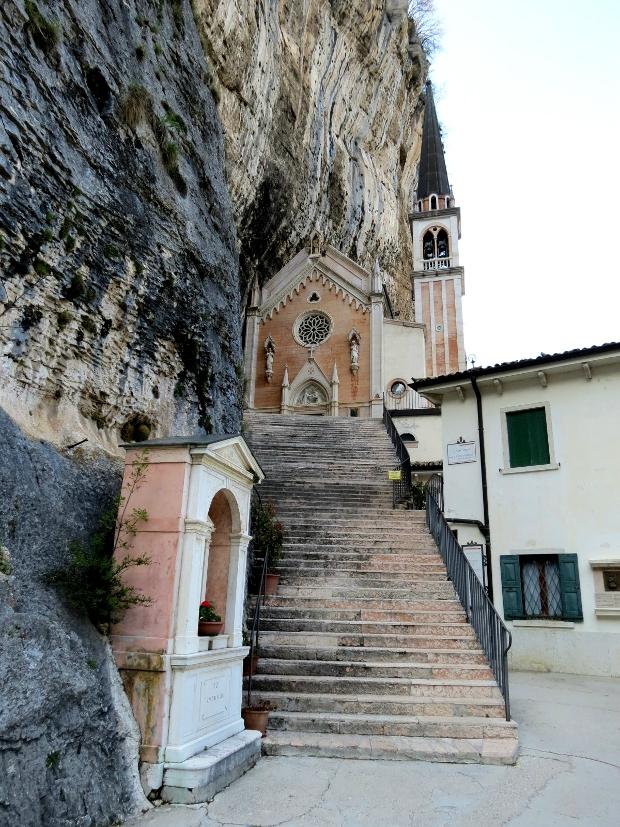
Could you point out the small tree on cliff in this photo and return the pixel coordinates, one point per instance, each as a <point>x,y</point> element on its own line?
<point>427,26</point>
<point>92,579</point>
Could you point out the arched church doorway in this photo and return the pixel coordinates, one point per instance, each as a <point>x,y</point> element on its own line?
<point>312,399</point>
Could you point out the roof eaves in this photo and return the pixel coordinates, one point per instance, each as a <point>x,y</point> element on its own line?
<point>519,364</point>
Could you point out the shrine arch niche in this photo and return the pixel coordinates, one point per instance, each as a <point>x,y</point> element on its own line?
<point>218,580</point>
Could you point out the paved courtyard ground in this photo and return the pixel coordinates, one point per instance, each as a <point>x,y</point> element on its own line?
<point>568,773</point>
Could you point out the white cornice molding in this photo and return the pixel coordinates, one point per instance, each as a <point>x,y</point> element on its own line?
<point>314,273</point>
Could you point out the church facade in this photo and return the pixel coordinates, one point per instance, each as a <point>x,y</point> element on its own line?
<point>320,334</point>
<point>320,339</point>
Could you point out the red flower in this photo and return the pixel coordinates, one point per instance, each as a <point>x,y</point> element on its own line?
<point>205,604</point>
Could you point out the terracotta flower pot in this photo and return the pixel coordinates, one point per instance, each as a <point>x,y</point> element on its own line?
<point>249,665</point>
<point>210,627</point>
<point>271,583</point>
<point>255,719</point>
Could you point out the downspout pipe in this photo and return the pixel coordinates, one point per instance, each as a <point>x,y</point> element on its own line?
<point>485,529</point>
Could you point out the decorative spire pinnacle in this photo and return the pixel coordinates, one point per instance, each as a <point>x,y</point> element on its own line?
<point>433,177</point>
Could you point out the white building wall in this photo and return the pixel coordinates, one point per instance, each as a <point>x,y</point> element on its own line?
<point>403,351</point>
<point>462,489</point>
<point>427,431</point>
<point>571,509</point>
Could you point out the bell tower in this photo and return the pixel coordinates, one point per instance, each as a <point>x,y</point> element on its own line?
<point>438,279</point>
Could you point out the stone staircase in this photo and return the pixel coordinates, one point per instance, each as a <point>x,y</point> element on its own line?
<point>365,652</point>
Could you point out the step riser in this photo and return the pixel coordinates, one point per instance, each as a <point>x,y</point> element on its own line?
<point>415,643</point>
<point>364,605</point>
<point>280,723</point>
<point>334,615</point>
<point>419,574</point>
<point>294,685</point>
<point>460,630</point>
<point>359,654</point>
<point>443,708</point>
<point>361,670</point>
<point>326,587</point>
<point>338,592</point>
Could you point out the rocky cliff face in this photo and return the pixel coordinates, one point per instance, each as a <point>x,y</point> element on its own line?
<point>68,742</point>
<point>155,156</point>
<point>119,258</point>
<point>320,102</point>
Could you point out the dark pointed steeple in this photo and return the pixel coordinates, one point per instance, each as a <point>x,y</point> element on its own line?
<point>433,177</point>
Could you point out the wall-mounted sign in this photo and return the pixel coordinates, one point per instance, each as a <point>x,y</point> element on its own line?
<point>393,475</point>
<point>459,452</point>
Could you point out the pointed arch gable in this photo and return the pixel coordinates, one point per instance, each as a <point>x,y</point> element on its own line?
<point>310,373</point>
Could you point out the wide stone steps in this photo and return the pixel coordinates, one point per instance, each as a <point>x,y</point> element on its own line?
<point>365,651</point>
<point>374,669</point>
<point>364,704</point>
<point>374,543</point>
<point>414,642</point>
<point>420,590</point>
<point>390,571</point>
<point>394,725</point>
<point>376,685</point>
<point>378,747</point>
<point>419,566</point>
<point>360,607</point>
<point>293,612</point>
<point>387,654</point>
<point>354,556</point>
<point>366,627</point>
<point>388,581</point>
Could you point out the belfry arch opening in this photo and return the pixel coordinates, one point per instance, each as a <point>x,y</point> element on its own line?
<point>436,246</point>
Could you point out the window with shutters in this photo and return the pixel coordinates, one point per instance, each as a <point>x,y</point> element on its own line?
<point>541,586</point>
<point>528,444</point>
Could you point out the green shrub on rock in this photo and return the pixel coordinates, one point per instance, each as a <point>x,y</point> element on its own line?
<point>92,579</point>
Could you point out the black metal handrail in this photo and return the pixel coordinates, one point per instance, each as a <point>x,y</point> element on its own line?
<point>260,600</point>
<point>401,487</point>
<point>435,487</point>
<point>494,637</point>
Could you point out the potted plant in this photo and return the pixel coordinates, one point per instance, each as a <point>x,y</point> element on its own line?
<point>268,535</point>
<point>209,622</point>
<point>255,716</point>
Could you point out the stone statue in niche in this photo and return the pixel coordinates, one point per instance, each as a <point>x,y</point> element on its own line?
<point>316,244</point>
<point>354,344</point>
<point>270,350</point>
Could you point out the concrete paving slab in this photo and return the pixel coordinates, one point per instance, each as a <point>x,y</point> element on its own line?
<point>568,774</point>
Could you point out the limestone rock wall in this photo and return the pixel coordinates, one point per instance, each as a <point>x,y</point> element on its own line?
<point>321,106</point>
<point>118,253</point>
<point>68,742</point>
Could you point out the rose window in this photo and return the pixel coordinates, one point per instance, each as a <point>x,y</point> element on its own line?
<point>313,328</point>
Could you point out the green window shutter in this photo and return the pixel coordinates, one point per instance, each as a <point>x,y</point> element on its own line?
<point>511,586</point>
<point>570,590</point>
<point>528,441</point>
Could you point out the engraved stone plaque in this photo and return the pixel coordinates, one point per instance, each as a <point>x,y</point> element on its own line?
<point>213,695</point>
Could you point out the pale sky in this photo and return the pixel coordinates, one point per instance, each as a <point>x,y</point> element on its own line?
<point>528,95</point>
